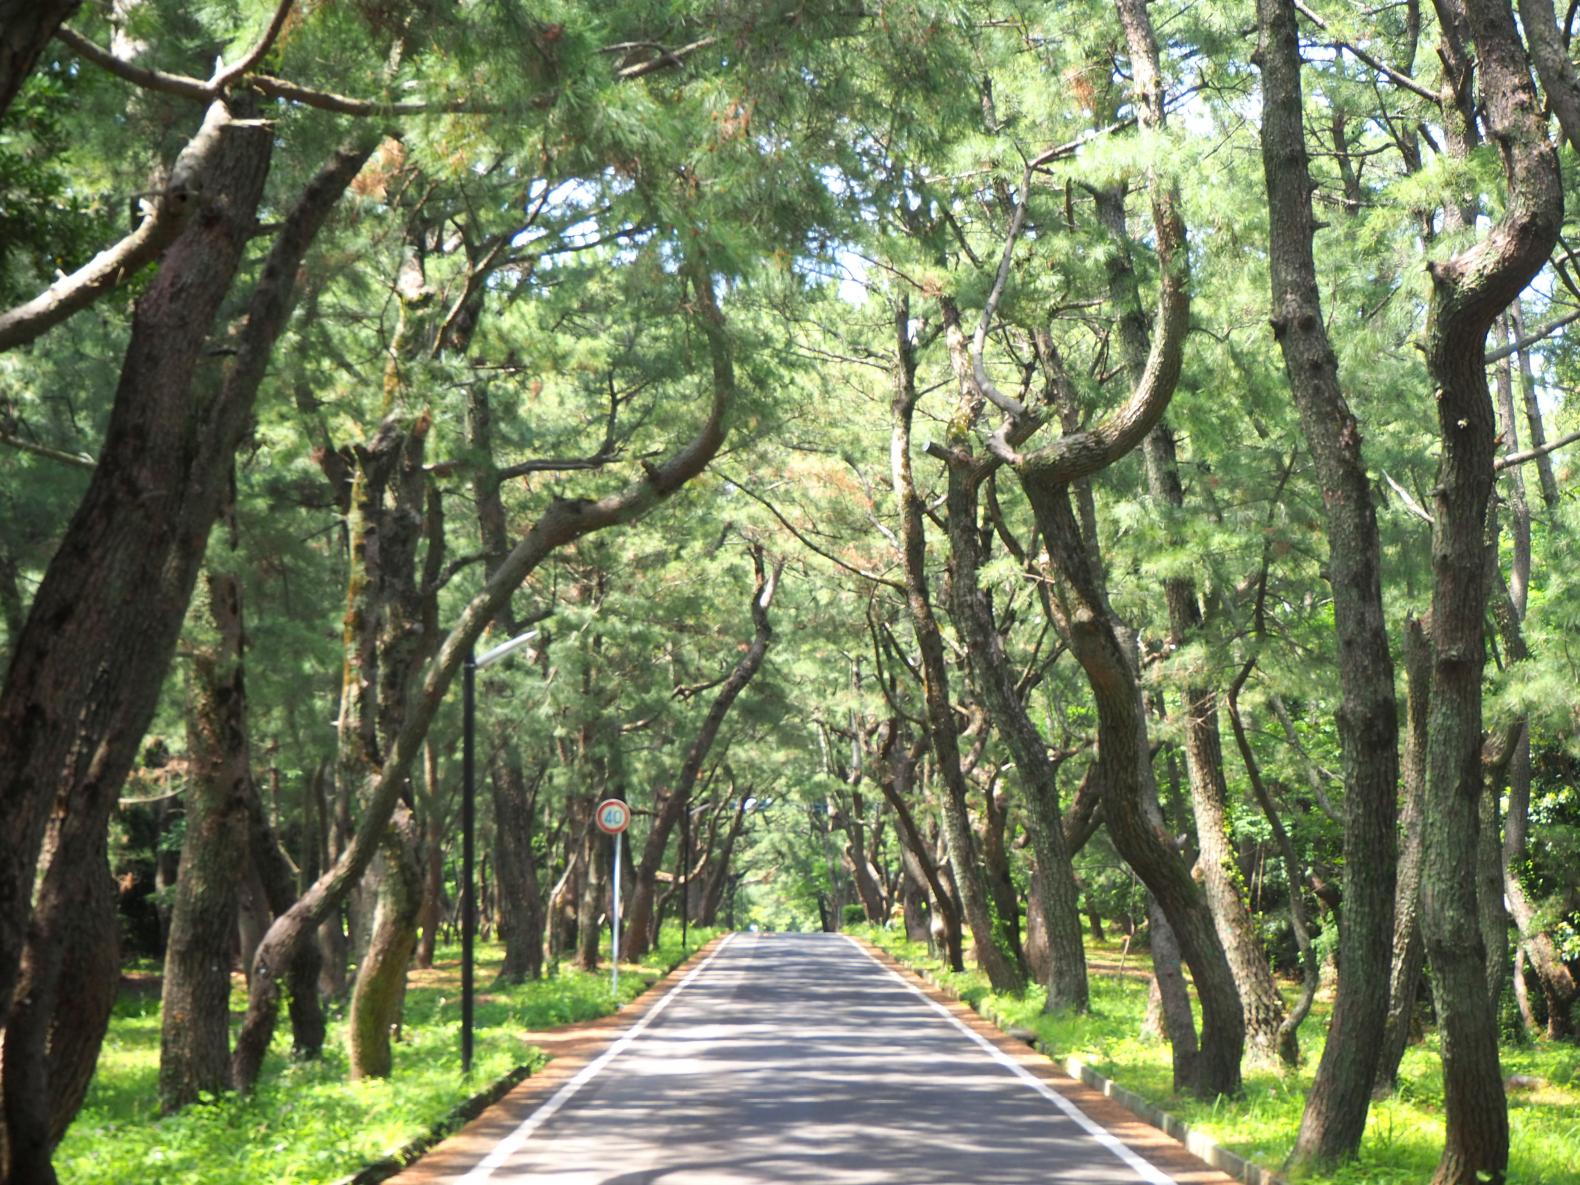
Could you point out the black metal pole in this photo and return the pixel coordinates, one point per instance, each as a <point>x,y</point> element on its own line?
<point>685,873</point>
<point>468,820</point>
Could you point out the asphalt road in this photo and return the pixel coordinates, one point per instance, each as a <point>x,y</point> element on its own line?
<point>798,1058</point>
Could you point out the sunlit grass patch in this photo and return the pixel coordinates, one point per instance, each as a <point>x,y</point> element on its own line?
<point>307,1123</point>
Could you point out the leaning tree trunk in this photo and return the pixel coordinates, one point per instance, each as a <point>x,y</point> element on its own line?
<point>1058,923</point>
<point>1335,1114</point>
<point>895,779</point>
<point>194,1034</point>
<point>86,670</point>
<point>993,952</point>
<point>562,522</point>
<point>1468,292</point>
<point>638,923</point>
<point>306,1006</point>
<point>1261,1004</point>
<point>381,979</point>
<point>1047,476</point>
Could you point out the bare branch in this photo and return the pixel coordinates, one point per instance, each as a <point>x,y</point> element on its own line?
<point>164,216</point>
<point>1511,459</point>
<point>196,89</point>
<point>807,543</point>
<point>1531,338</point>
<point>1377,64</point>
<point>1006,404</point>
<point>1410,503</point>
<point>663,59</point>
<point>223,78</point>
<point>77,460</point>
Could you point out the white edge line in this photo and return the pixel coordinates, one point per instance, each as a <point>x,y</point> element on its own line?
<point>508,1146</point>
<point>1146,1170</point>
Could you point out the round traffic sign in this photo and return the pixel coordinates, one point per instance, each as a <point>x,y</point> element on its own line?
<point>612,816</point>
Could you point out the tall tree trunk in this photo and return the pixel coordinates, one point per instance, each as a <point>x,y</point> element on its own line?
<point>1262,1006</point>
<point>1468,292</point>
<point>896,778</point>
<point>522,913</point>
<point>1404,978</point>
<point>994,955</point>
<point>1260,1003</point>
<point>1335,1114</point>
<point>194,1042</point>
<point>594,899</point>
<point>667,813</point>
<point>430,916</point>
<point>1054,892</point>
<point>85,672</point>
<point>1130,806</point>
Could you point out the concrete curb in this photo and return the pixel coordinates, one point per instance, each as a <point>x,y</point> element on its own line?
<point>468,1109</point>
<point>1197,1143</point>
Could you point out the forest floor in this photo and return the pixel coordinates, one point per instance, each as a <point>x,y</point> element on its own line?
<point>307,1124</point>
<point>1404,1134</point>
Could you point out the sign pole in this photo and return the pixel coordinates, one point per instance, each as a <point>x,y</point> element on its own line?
<point>613,817</point>
<point>615,927</point>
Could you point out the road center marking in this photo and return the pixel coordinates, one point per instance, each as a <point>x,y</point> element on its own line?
<point>507,1147</point>
<point>1102,1135</point>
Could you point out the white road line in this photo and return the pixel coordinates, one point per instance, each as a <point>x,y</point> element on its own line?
<point>507,1147</point>
<point>1107,1139</point>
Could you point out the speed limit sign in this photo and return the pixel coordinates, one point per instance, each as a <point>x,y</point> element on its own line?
<point>612,816</point>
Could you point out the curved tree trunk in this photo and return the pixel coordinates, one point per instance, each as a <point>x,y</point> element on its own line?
<point>85,672</point>
<point>994,954</point>
<point>1262,1006</point>
<point>1468,292</point>
<point>638,922</point>
<point>380,989</point>
<point>561,523</point>
<point>1058,920</point>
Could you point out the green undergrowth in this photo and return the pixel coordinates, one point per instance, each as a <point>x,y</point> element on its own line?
<point>1404,1134</point>
<point>307,1123</point>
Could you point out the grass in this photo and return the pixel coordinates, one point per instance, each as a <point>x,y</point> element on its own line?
<point>307,1124</point>
<point>1404,1135</point>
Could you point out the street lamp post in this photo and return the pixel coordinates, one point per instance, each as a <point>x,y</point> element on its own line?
<point>474,663</point>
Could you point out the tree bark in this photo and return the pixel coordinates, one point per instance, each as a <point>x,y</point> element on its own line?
<point>194,1044</point>
<point>1468,292</point>
<point>380,989</point>
<point>1335,1114</point>
<point>1409,955</point>
<point>1054,891</point>
<point>522,913</point>
<point>83,683</point>
<point>1260,1003</point>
